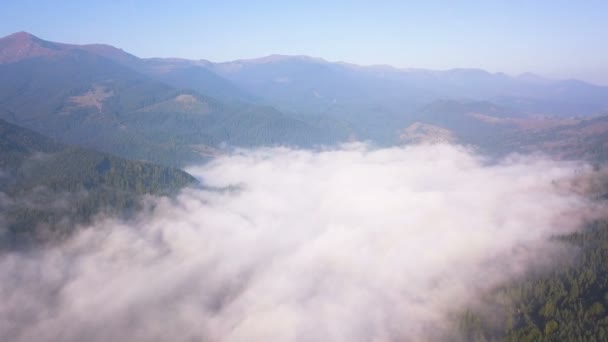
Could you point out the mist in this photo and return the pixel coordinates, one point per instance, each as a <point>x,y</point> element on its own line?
<point>348,244</point>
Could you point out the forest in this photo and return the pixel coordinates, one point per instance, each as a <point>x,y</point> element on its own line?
<point>47,188</point>
<point>567,303</point>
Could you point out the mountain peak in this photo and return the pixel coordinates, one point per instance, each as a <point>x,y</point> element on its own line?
<point>20,36</point>
<point>21,45</point>
<point>17,39</point>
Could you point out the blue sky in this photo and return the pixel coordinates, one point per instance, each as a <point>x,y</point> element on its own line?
<point>554,38</point>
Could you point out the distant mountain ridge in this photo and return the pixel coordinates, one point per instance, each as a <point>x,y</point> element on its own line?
<point>22,45</point>
<point>102,97</point>
<point>236,75</point>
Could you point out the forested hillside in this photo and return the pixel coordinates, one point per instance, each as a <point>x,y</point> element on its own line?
<point>567,302</point>
<point>96,96</point>
<point>47,188</point>
<point>175,111</point>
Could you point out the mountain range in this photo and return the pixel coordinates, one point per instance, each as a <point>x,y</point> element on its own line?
<point>177,111</point>
<point>92,96</point>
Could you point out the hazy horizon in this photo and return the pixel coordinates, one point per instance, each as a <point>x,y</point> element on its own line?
<point>515,75</point>
<point>497,37</point>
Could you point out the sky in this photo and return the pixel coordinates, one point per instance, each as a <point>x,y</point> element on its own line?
<point>563,39</point>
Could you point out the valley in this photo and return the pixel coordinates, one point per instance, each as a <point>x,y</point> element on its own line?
<point>289,197</point>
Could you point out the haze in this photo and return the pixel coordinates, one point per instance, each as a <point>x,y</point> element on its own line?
<point>303,171</point>
<point>557,39</point>
<point>351,244</point>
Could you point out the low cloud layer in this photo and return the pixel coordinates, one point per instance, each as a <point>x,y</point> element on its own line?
<point>342,245</point>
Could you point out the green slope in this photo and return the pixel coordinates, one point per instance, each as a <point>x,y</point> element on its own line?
<point>47,188</point>
<point>79,97</point>
<point>567,304</point>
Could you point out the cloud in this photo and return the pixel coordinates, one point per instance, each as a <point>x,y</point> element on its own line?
<point>354,244</point>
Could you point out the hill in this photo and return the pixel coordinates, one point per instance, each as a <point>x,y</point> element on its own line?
<point>374,100</point>
<point>102,97</point>
<point>94,96</point>
<point>307,79</point>
<point>567,303</point>
<point>47,188</point>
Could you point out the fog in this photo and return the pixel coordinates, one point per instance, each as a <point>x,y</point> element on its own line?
<point>350,244</point>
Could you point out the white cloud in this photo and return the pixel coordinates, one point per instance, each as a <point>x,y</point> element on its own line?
<point>340,245</point>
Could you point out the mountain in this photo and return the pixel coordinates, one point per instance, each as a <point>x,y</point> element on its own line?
<point>195,75</point>
<point>345,95</point>
<point>177,111</point>
<point>374,100</point>
<point>299,77</point>
<point>22,45</point>
<point>79,98</point>
<point>96,96</point>
<point>179,73</point>
<point>79,183</point>
<point>472,121</point>
<point>582,138</point>
<point>500,130</point>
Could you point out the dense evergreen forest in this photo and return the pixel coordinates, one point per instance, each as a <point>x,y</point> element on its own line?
<point>568,303</point>
<point>47,188</point>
